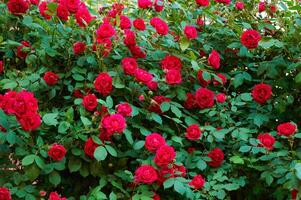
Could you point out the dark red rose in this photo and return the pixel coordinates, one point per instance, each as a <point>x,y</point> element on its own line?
<point>158,5</point>
<point>286,129</point>
<point>1,66</point>
<point>190,150</point>
<point>152,85</point>
<point>204,3</point>
<point>266,140</point>
<point>190,32</point>
<point>57,152</point>
<point>223,79</point>
<point>201,79</point>
<point>51,78</point>
<point>7,102</point>
<point>174,171</point>
<point>173,77</point>
<point>30,121</point>
<point>21,51</point>
<point>124,109</point>
<point>24,102</point>
<point>160,25</point>
<point>143,76</point>
<point>78,94</point>
<point>129,38</point>
<point>217,157</point>
<point>250,38</point>
<point>72,5</point>
<point>144,4</point>
<point>105,136</point>
<point>214,59</point>
<point>261,7</point>
<point>90,147</point>
<point>62,12</point>
<point>114,123</point>
<point>129,66</point>
<point>90,102</point>
<point>239,5</point>
<point>171,63</point>
<point>190,102</point>
<point>193,132</point>
<point>56,196</point>
<point>204,98</point>
<point>105,30</point>
<point>17,7</point>
<point>5,194</point>
<point>294,193</point>
<point>153,142</point>
<point>103,84</point>
<point>83,16</point>
<point>34,2</point>
<point>156,197</point>
<point>44,10</point>
<point>226,2</point>
<point>261,93</point>
<point>137,52</point>
<point>164,155</point>
<point>146,174</point>
<point>220,98</point>
<point>125,22</point>
<point>79,48</point>
<point>139,24</point>
<point>273,8</point>
<point>197,182</point>
<point>156,102</point>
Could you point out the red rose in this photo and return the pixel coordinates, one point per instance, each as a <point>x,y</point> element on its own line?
<point>156,197</point>
<point>217,157</point>
<point>223,1</point>
<point>55,196</point>
<point>160,25</point>
<point>72,5</point>
<point>286,129</point>
<point>105,30</point>
<point>294,193</point>
<point>62,12</point>
<point>17,7</point>
<point>204,3</point>
<point>137,52</point>
<point>77,93</point>
<point>250,38</point>
<point>139,24</point>
<point>90,102</point>
<point>141,98</point>
<point>21,52</point>
<point>158,5</point>
<point>273,8</point>
<point>83,16</point>
<point>214,59</point>
<point>5,194</point>
<point>190,150</point>
<point>197,182</point>
<point>190,102</point>
<point>204,98</point>
<point>130,38</point>
<point>105,46</point>
<point>153,142</point>
<point>144,4</point>
<point>7,102</point>
<point>113,123</point>
<point>146,174</point>
<point>129,65</point>
<point>103,84</point>
<point>44,10</point>
<point>190,32</point>
<point>223,79</point>
<point>51,78</point>
<point>156,102</point>
<point>175,171</point>
<point>261,7</point>
<point>261,93</point>
<point>173,77</point>
<point>164,155</point>
<point>201,80</point>
<point>266,140</point>
<point>152,85</point>
<point>193,132</point>
<point>1,67</point>
<point>124,109</point>
<point>125,22</point>
<point>79,48</point>
<point>143,76</point>
<point>221,98</point>
<point>239,5</point>
<point>30,121</point>
<point>171,63</point>
<point>34,2</point>
<point>57,152</point>
<point>24,103</point>
<point>105,136</point>
<point>90,147</point>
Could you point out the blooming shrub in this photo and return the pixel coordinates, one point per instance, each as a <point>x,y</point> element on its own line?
<point>150,99</point>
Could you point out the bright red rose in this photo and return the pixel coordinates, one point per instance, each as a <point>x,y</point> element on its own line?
<point>105,30</point>
<point>51,78</point>
<point>105,136</point>
<point>173,77</point>
<point>103,84</point>
<point>261,93</point>
<point>190,102</point>
<point>62,12</point>
<point>77,93</point>
<point>286,129</point>
<point>1,67</point>
<point>171,63</point>
<point>137,52</point>
<point>261,7</point>
<point>201,79</point>
<point>57,152</point>
<point>143,76</point>
<point>193,132</point>
<point>190,32</point>
<point>56,196</point>
<point>34,2</point>
<point>164,155</point>
<point>144,4</point>
<point>7,102</point>
<point>90,147</point>
<point>214,59</point>
<point>5,194</point>
<point>90,102</point>
<point>129,66</point>
<point>266,140</point>
<point>227,2</point>
<point>139,24</point>
<point>21,52</point>
<point>72,5</point>
<point>17,7</point>
<point>43,8</point>
<point>152,85</point>
<point>130,38</point>
<point>156,102</point>
<point>204,98</point>
<point>79,48</point>
<point>125,22</point>
<point>24,103</point>
<point>83,16</point>
<point>204,3</point>
<point>250,38</point>
<point>223,79</point>
<point>146,174</point>
<point>239,5</point>
<point>156,197</point>
<point>160,25</point>
<point>217,157</point>
<point>221,98</point>
<point>273,8</point>
<point>197,182</point>
<point>124,109</point>
<point>113,123</point>
<point>158,5</point>
<point>30,121</point>
<point>154,141</point>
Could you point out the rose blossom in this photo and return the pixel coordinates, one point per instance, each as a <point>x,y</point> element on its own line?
<point>62,12</point>
<point>129,65</point>
<point>164,155</point>
<point>201,80</point>
<point>190,32</point>
<point>144,4</point>
<point>203,3</point>
<point>103,84</point>
<point>79,48</point>
<point>57,152</point>
<point>190,102</point>
<point>146,174</point>
<point>171,63</point>
<point>139,24</point>
<point>17,7</point>
<point>156,102</point>
<point>173,77</point>
<point>51,78</point>
<point>153,142</point>
<point>197,182</point>
<point>90,102</point>
<point>250,38</point>
<point>124,109</point>
<point>204,98</point>
<point>193,132</point>
<point>214,59</point>
<point>220,98</point>
<point>239,5</point>
<point>90,147</point>
<point>261,93</point>
<point>217,157</point>
<point>114,123</point>
<point>266,140</point>
<point>286,129</point>
<point>5,194</point>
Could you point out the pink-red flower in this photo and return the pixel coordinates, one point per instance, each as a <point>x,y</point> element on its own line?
<point>201,80</point>
<point>156,102</point>
<point>239,5</point>
<point>129,66</point>
<point>173,77</point>
<point>44,10</point>
<point>62,12</point>
<point>154,141</point>
<point>250,38</point>
<point>190,102</point>
<point>171,62</point>
<point>266,140</point>
<point>144,4</point>
<point>56,196</point>
<point>51,78</point>
<point>5,194</point>
<point>114,123</point>
<point>105,30</point>
<point>227,2</point>
<point>261,93</point>
<point>125,22</point>
<point>164,155</point>
<point>204,98</point>
<point>286,129</point>
<point>21,52</point>
<point>193,132</point>
<point>17,7</point>
<point>220,98</point>
<point>160,25</point>
<point>261,6</point>
<point>57,152</point>
<point>83,16</point>
<point>190,32</point>
<point>217,157</point>
<point>139,24</point>
<point>90,147</point>
<point>143,76</point>
<point>197,182</point>
<point>103,84</point>
<point>124,109</point>
<point>203,3</point>
<point>1,66</point>
<point>214,59</point>
<point>90,102</point>
<point>146,174</point>
<point>79,48</point>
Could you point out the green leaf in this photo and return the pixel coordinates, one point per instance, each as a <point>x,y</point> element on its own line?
<point>179,187</point>
<point>165,106</point>
<point>298,78</point>
<point>54,178</point>
<point>11,137</point>
<point>231,186</point>
<point>112,196</point>
<point>28,160</point>
<point>40,162</point>
<point>109,102</point>
<point>298,170</point>
<point>245,149</point>
<point>85,121</point>
<point>128,136</point>
<point>78,77</point>
<point>246,97</point>
<point>184,44</point>
<point>3,119</point>
<point>138,145</point>
<point>176,111</point>
<point>201,164</point>
<point>100,153</point>
<point>206,76</point>
<point>74,165</point>
<point>157,118</point>
<point>111,150</point>
<point>237,160</point>
<point>168,183</point>
<point>63,127</point>
<point>50,119</point>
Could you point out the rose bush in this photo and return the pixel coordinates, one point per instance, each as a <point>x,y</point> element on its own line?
<point>150,99</point>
